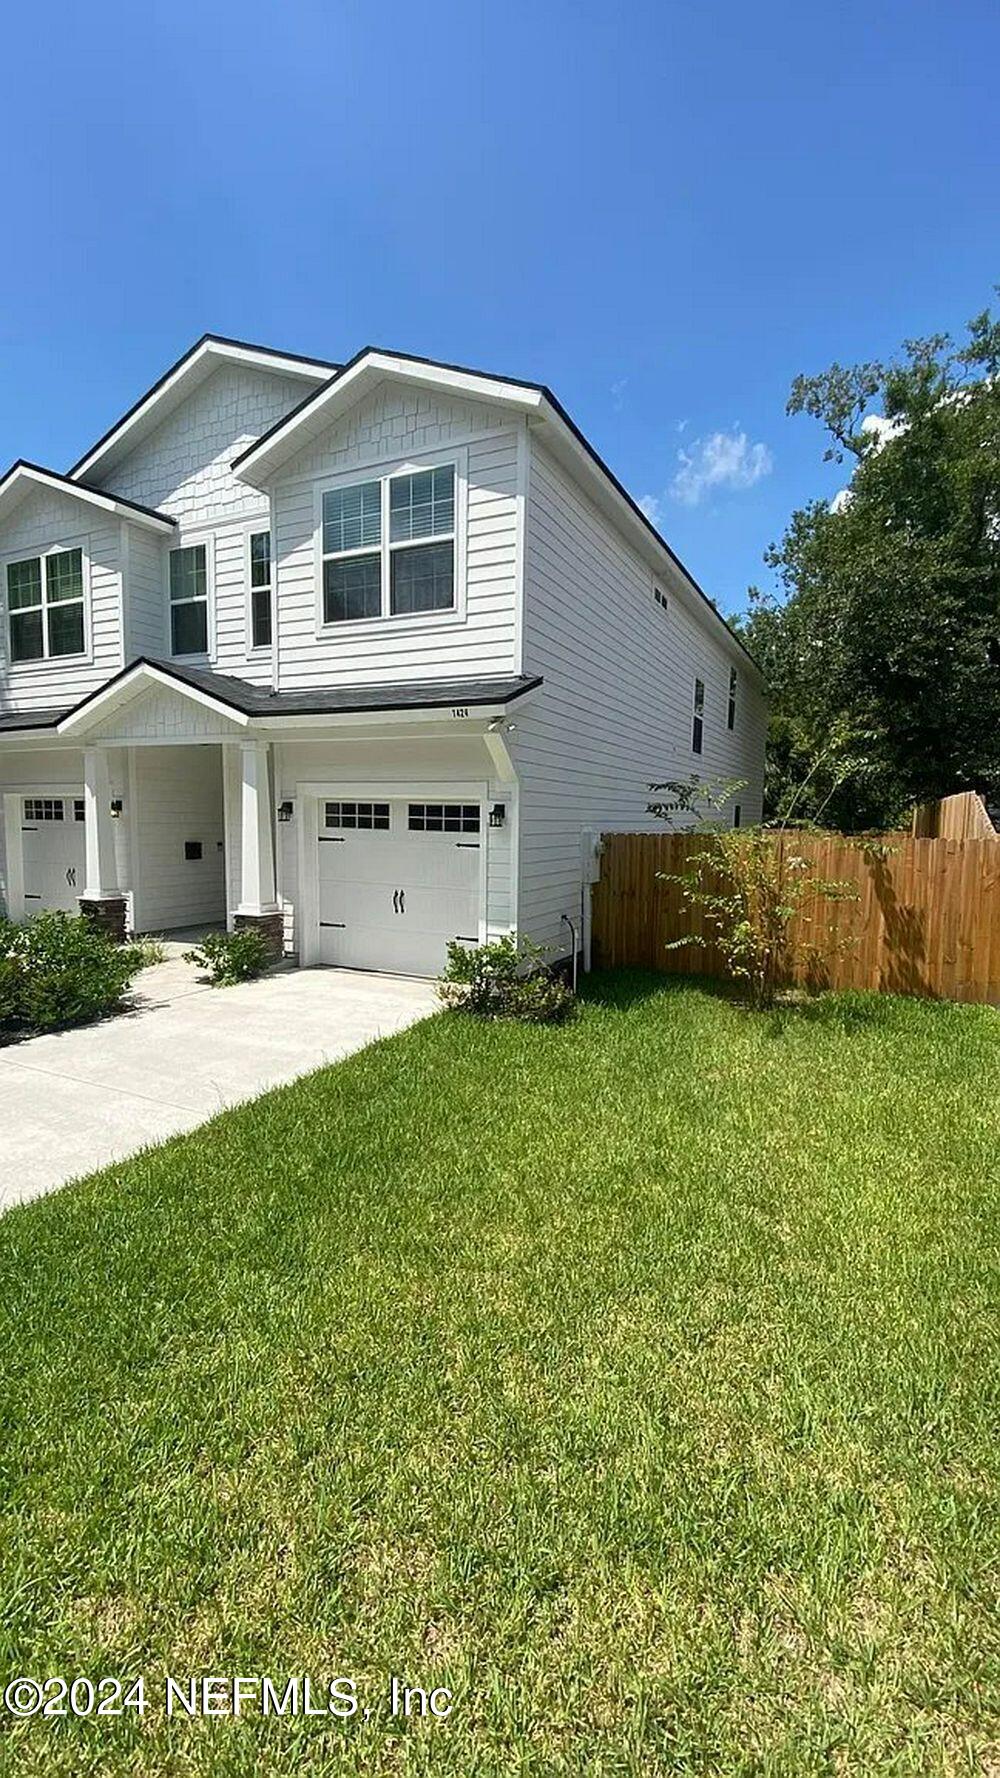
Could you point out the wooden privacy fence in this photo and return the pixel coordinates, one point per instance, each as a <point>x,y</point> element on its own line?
<point>960,817</point>
<point>926,921</point>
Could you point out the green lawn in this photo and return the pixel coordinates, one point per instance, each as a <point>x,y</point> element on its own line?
<point>638,1381</point>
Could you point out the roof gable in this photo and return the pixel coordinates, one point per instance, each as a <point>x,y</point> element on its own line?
<point>25,479</point>
<point>319,410</point>
<point>170,390</point>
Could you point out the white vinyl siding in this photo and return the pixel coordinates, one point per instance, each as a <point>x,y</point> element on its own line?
<point>47,521</point>
<point>401,429</point>
<point>178,797</point>
<point>145,602</point>
<point>615,712</point>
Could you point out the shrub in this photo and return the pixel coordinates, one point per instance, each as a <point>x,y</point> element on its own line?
<point>507,979</point>
<point>149,951</point>
<point>768,910</point>
<point>58,970</point>
<point>231,956</point>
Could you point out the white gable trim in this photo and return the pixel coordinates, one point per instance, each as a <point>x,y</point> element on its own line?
<point>316,413</point>
<point>20,481</point>
<point>122,690</point>
<point>165,395</point>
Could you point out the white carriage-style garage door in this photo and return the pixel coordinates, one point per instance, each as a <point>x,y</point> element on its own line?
<point>52,847</point>
<point>398,879</point>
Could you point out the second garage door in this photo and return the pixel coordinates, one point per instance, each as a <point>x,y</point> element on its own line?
<point>52,842</point>
<point>397,881</point>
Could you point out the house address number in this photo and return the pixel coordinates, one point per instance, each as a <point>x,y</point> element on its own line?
<point>460,709</point>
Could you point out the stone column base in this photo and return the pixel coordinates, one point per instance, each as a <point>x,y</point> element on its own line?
<point>107,915</point>
<point>270,926</point>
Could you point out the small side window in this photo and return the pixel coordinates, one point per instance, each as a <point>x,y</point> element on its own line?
<point>698,723</point>
<point>260,589</point>
<point>733,685</point>
<point>737,815</point>
<point>661,599</point>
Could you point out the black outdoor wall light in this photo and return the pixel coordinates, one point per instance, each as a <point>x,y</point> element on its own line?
<point>284,811</point>
<point>498,814</point>
<point>117,806</point>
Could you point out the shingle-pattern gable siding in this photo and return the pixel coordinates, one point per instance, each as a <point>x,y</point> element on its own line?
<point>183,467</point>
<point>389,427</point>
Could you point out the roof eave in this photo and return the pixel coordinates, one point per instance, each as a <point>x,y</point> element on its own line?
<point>108,698</point>
<point>113,504</point>
<point>597,472</point>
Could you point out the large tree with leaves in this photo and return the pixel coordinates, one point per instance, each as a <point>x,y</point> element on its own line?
<point>887,639</point>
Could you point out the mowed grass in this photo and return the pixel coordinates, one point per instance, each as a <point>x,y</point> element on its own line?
<point>637,1381</point>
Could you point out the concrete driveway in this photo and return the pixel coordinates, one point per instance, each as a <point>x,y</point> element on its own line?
<point>72,1101</point>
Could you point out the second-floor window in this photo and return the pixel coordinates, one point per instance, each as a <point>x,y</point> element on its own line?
<point>45,606</point>
<point>260,589</point>
<point>733,684</point>
<point>189,600</point>
<point>698,721</point>
<point>388,546</point>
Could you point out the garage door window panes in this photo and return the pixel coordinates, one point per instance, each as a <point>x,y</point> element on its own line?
<point>189,600</point>
<point>45,606</point>
<point>371,816</point>
<point>43,808</point>
<point>444,818</point>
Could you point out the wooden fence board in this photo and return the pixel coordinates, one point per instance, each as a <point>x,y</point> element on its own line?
<point>926,920</point>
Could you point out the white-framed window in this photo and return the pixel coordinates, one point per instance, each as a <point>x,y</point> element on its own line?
<point>661,599</point>
<point>734,681</point>
<point>388,545</point>
<point>188,586</point>
<point>46,606</point>
<point>259,547</point>
<point>698,719</point>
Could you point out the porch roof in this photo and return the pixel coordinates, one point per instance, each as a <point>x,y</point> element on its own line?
<point>255,701</point>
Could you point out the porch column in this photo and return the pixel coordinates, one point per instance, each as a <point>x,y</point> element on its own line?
<point>258,906</point>
<point>102,901</point>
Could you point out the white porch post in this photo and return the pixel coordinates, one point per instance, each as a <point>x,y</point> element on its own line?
<point>258,902</point>
<point>256,837</point>
<point>102,900</point>
<point>99,833</point>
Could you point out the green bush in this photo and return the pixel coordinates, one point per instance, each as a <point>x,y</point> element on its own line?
<point>58,970</point>
<point>507,979</point>
<point>231,956</point>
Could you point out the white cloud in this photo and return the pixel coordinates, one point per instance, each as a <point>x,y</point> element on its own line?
<point>618,390</point>
<point>652,506</point>
<point>722,460</point>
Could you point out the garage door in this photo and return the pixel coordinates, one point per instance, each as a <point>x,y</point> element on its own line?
<point>52,830</point>
<point>397,881</point>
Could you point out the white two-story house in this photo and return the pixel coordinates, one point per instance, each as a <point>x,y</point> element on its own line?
<point>366,655</point>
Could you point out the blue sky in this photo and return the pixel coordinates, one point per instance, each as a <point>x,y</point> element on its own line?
<point>664,211</point>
